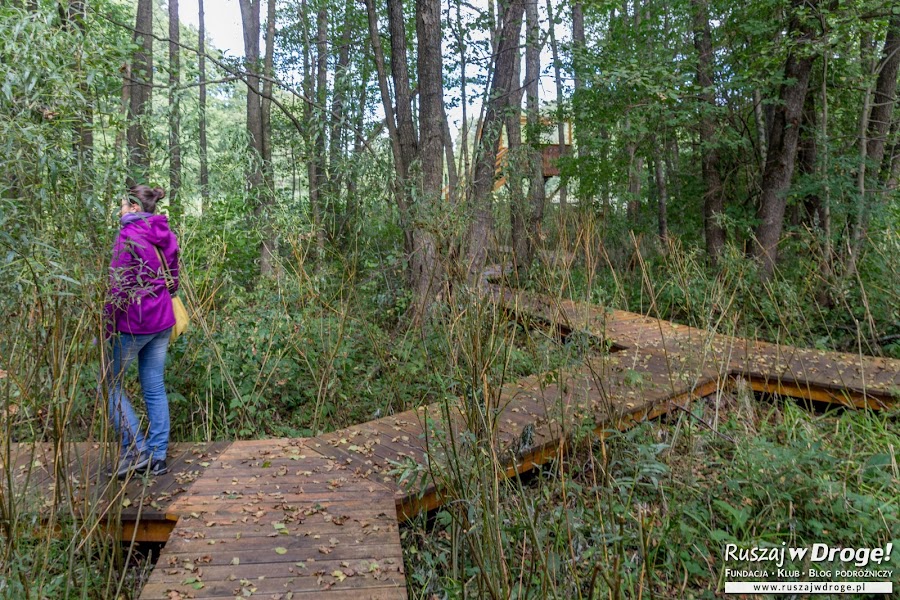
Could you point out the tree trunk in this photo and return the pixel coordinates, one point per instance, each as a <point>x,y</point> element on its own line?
<point>635,168</point>
<point>452,175</point>
<point>488,142</point>
<point>426,272</point>
<point>141,85</point>
<point>514,163</point>
<point>250,11</point>
<point>874,127</point>
<point>309,117</point>
<point>713,202</point>
<point>807,159</point>
<point>560,115</point>
<point>406,130</point>
<point>536,190</point>
<point>319,147</point>
<point>463,79</point>
<point>578,46</point>
<point>883,102</point>
<point>761,128</point>
<point>337,119</point>
<point>662,193</point>
<point>358,145</point>
<point>894,172</point>
<point>250,16</point>
<point>175,204</point>
<point>782,151</point>
<point>204,162</point>
<point>400,192</point>
<point>269,247</point>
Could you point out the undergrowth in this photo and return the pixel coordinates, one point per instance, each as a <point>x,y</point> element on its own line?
<point>647,513</point>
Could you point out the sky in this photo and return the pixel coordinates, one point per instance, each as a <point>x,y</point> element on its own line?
<point>223,23</point>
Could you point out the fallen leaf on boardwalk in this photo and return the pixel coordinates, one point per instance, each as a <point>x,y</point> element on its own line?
<point>325,550</point>
<point>339,575</point>
<point>235,561</point>
<point>126,503</point>
<point>280,550</point>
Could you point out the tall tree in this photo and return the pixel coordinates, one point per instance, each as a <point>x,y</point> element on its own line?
<point>140,86</point>
<point>174,116</point>
<point>424,261</point>
<point>250,17</point>
<point>578,48</point>
<point>311,119</point>
<point>399,186</point>
<point>536,189</point>
<point>320,184</point>
<point>269,247</point>
<point>204,162</point>
<point>713,201</point>
<point>256,129</point>
<point>488,141</point>
<point>406,129</point>
<point>516,161</point>
<point>784,135</point>
<point>662,193</point>
<point>338,100</point>
<point>878,123</point>
<point>560,113</point>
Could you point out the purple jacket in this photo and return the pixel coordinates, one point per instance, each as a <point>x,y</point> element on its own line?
<point>138,302</point>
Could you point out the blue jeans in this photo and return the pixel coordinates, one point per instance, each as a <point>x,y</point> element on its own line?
<point>150,351</point>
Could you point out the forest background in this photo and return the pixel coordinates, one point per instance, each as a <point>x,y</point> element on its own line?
<point>732,166</point>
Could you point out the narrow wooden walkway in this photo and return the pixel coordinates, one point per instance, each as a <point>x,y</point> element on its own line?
<point>319,516</point>
<point>848,379</point>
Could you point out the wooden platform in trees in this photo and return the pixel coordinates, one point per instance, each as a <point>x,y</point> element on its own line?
<point>319,516</point>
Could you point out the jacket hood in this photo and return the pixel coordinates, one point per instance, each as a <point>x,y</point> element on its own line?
<point>153,228</point>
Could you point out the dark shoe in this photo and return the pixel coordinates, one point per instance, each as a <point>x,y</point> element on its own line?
<point>158,466</point>
<point>131,464</point>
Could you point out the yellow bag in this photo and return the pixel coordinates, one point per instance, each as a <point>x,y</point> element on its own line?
<point>181,318</point>
<point>181,315</point>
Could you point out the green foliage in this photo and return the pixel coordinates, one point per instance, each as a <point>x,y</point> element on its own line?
<point>652,509</point>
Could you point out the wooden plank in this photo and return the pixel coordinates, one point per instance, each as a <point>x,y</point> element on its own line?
<point>263,508</point>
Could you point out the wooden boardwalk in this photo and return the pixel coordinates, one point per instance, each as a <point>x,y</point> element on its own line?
<point>848,379</point>
<point>314,517</point>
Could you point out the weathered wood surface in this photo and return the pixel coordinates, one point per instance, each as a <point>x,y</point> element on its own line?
<point>849,379</point>
<point>275,518</point>
<point>76,477</point>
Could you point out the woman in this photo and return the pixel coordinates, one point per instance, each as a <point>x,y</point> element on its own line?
<point>139,319</point>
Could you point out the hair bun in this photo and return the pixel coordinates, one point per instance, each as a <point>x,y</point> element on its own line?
<point>159,193</point>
